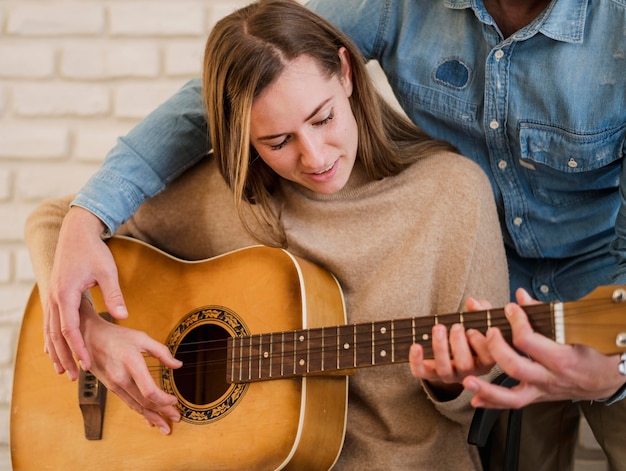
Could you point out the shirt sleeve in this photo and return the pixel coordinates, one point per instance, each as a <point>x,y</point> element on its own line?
<point>167,142</point>
<point>358,19</point>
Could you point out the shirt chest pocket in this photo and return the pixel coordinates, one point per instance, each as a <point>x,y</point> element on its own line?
<point>564,168</point>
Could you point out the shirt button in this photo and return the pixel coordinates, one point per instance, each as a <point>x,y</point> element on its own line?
<point>545,289</point>
<point>499,54</point>
<point>518,221</point>
<point>572,163</point>
<point>494,124</point>
<point>501,164</point>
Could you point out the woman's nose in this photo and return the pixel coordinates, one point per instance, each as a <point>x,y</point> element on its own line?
<point>311,152</point>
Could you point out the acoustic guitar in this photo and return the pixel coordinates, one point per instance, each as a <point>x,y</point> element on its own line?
<point>266,352</point>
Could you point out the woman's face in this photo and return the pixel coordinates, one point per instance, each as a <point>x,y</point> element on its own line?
<point>302,125</point>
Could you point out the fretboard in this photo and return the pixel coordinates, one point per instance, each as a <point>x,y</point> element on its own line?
<point>346,347</point>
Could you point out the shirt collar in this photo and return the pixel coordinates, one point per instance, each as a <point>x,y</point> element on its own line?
<point>563,20</point>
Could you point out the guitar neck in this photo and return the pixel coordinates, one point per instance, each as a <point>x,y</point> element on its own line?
<point>346,347</point>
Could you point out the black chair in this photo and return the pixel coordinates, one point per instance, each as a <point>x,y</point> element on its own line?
<point>482,426</point>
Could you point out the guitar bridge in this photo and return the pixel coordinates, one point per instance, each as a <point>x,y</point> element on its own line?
<point>91,399</point>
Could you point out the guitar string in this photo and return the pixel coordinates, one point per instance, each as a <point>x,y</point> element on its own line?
<point>401,335</point>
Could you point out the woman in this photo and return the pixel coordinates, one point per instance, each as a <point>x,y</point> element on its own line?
<point>307,156</point>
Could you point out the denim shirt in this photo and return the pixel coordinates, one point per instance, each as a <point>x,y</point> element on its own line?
<point>543,112</point>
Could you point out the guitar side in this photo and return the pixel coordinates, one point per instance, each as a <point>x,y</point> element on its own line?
<point>295,423</point>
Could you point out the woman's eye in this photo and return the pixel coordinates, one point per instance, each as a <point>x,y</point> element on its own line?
<point>282,144</point>
<point>326,120</point>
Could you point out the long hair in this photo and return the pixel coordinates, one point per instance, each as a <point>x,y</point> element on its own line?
<point>245,53</point>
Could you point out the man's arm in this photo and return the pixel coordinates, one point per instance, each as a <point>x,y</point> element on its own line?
<point>171,139</point>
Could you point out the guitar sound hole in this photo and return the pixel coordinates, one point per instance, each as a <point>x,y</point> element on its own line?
<point>202,378</point>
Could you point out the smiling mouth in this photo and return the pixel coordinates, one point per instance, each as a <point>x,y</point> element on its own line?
<point>324,170</point>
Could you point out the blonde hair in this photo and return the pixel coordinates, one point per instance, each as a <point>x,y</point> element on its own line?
<point>246,52</point>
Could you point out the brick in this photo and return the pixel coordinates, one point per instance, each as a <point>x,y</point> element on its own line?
<point>3,99</point>
<point>110,60</point>
<point>58,99</point>
<point>33,182</point>
<point>7,378</point>
<point>184,58</point>
<point>6,374</point>
<point>23,266</point>
<point>31,61</point>
<point>13,217</point>
<point>40,19</point>
<point>93,145</point>
<point>5,184</point>
<point>5,266</point>
<point>219,10</point>
<point>151,18</point>
<point>137,100</point>
<point>12,302</point>
<point>7,333</point>
<point>34,141</point>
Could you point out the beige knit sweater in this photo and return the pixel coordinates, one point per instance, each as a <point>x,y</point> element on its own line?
<point>415,244</point>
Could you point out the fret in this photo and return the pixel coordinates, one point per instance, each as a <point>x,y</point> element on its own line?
<point>383,343</point>
<point>272,356</point>
<point>331,346</point>
<point>403,338</point>
<point>479,320</point>
<point>243,357</point>
<point>338,350</point>
<point>301,352</point>
<point>282,354</point>
<point>289,353</point>
<point>323,338</point>
<point>393,338</point>
<point>345,347</point>
<point>255,358</point>
<point>363,352</point>
<point>265,362</point>
<point>315,350</point>
<point>235,360</point>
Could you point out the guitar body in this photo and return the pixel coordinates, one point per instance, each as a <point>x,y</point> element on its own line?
<point>288,423</point>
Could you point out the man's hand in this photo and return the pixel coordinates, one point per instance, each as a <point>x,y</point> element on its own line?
<point>82,260</point>
<point>553,372</point>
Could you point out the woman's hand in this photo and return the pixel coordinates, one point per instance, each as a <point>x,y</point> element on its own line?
<point>118,361</point>
<point>457,354</point>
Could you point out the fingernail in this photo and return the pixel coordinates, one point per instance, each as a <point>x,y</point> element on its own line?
<point>164,430</point>
<point>82,365</point>
<point>121,311</point>
<point>471,385</point>
<point>57,368</point>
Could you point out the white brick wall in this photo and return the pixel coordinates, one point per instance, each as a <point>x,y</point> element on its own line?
<point>74,75</point>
